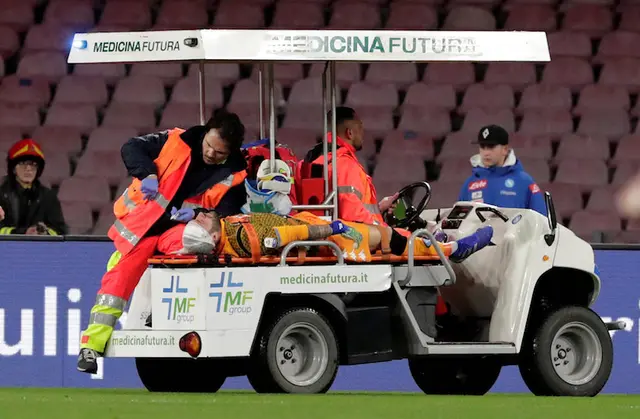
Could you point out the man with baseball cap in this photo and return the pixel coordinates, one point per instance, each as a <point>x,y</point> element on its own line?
<point>498,177</point>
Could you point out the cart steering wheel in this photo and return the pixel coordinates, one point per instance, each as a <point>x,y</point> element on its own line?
<point>404,200</point>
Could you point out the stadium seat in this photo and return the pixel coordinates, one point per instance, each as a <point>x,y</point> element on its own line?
<point>142,119</point>
<point>93,191</point>
<point>531,17</point>
<point>47,38</point>
<point>434,123</point>
<point>569,44</point>
<point>23,116</point>
<point>307,94</point>
<point>411,16</point>
<point>583,146</point>
<point>82,90</point>
<point>531,146</point>
<point>14,89</point>
<point>611,124</point>
<point>629,17</point>
<point>140,90</point>
<point>553,123</point>
<point>79,117</point>
<point>9,42</point>
<point>224,73</point>
<point>587,224</point>
<point>537,167</point>
<point>18,15</point>
<point>8,136</point>
<point>389,187</point>
<point>469,18</point>
<point>624,170</point>
<point>109,138</point>
<point>78,216</point>
<point>182,115</point>
<point>476,118</point>
<point>567,198</point>
<point>57,166</point>
<point>423,96</point>
<point>295,15</point>
<point>110,73</point>
<point>628,149</point>
<point>458,145</point>
<point>104,222</point>
<point>128,15</point>
<point>59,139</point>
<point>354,15</point>
<point>572,72</point>
<point>623,72</point>
<point>401,75</point>
<point>365,95</point>
<point>303,119</point>
<point>412,169</point>
<point>168,73</point>
<point>105,164</point>
<point>491,97</point>
<point>300,140</point>
<point>586,173</point>
<point>601,199</point>
<point>232,15</point>
<point>517,75</point>
<point>284,73</point>
<point>377,122</point>
<point>618,44</point>
<point>540,97</point>
<point>623,237</point>
<point>455,170</point>
<point>75,14</point>
<point>445,193</point>
<point>181,15</point>
<point>49,66</point>
<point>187,91</point>
<point>600,97</point>
<point>346,73</point>
<point>457,74</point>
<point>592,19</point>
<point>245,96</point>
<point>397,144</point>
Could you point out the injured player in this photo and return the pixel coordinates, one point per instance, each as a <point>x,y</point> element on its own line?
<point>264,234</point>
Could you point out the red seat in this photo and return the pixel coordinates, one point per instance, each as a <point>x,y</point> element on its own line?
<point>93,191</point>
<point>587,223</point>
<point>354,15</point>
<point>128,115</point>
<point>299,140</point>
<point>13,89</point>
<point>629,17</point>
<point>586,173</point>
<point>104,222</point>
<point>9,42</point>
<point>285,74</point>
<point>82,90</point>
<point>428,96</point>
<point>624,170</point>
<point>183,115</point>
<point>628,149</point>
<point>469,18</point>
<point>377,122</point>
<point>553,123</point>
<point>611,124</point>
<point>65,140</point>
<point>103,164</point>
<point>399,74</point>
<point>18,15</point>
<point>569,44</point>
<point>48,66</point>
<point>517,75</point>
<point>187,91</point>
<point>444,194</point>
<point>434,123</point>
<point>458,74</point>
<point>592,19</point>
<point>601,199</point>
<point>623,237</point>
<point>531,146</point>
<point>140,90</point>
<point>455,170</point>
<point>537,167</point>
<point>531,17</point>
<point>233,15</point>
<point>411,16</point>
<point>346,73</point>
<point>294,15</point>
<point>82,118</point>
<point>537,97</point>
<point>307,94</point>
<point>491,97</point>
<point>246,97</point>
<point>182,15</point>
<point>623,72</point>
<point>168,73</point>
<point>572,72</point>
<point>367,95</point>
<point>110,73</point>
<point>130,15</point>
<point>583,146</point>
<point>109,138</point>
<point>412,169</point>
<point>567,198</point>
<point>22,116</point>
<point>302,119</point>
<point>57,167</point>
<point>600,97</point>
<point>78,217</point>
<point>398,144</point>
<point>457,145</point>
<point>476,118</point>
<point>47,37</point>
<point>76,14</point>
<point>224,73</point>
<point>618,44</point>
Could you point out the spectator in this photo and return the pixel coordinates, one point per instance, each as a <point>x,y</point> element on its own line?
<point>28,206</point>
<point>498,176</point>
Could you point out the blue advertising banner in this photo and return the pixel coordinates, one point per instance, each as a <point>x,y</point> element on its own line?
<point>47,290</point>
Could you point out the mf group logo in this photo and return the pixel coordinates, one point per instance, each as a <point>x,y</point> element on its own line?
<point>179,307</point>
<point>229,295</point>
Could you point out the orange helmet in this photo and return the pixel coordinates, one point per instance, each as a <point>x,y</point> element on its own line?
<point>26,149</point>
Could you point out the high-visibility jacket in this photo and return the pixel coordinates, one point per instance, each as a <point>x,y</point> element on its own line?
<point>135,215</point>
<point>357,200</point>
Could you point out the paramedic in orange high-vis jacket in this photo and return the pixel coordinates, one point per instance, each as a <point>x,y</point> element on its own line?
<point>176,174</point>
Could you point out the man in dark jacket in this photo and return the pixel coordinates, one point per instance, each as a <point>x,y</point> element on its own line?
<point>177,174</point>
<point>498,176</point>
<point>29,207</point>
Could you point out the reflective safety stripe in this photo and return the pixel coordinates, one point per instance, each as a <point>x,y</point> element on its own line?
<point>128,202</point>
<point>191,205</point>
<point>372,208</point>
<point>161,200</point>
<point>350,189</point>
<point>111,301</point>
<point>103,318</point>
<point>125,233</point>
<point>228,181</point>
<point>6,230</point>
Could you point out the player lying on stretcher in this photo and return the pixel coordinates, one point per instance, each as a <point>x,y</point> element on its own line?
<point>264,234</point>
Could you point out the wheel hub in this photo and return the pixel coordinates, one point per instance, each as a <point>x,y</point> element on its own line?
<point>576,353</point>
<point>302,353</point>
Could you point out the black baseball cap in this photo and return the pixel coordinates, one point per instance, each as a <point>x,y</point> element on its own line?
<point>492,135</point>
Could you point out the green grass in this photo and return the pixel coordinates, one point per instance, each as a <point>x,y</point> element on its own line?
<point>19,403</point>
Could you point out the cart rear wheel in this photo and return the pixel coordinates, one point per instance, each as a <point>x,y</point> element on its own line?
<point>183,375</point>
<point>460,376</point>
<point>298,353</point>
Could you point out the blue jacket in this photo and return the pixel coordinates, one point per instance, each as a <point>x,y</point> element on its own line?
<point>508,186</point>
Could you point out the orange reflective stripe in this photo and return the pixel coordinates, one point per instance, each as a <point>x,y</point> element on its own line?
<point>254,242</point>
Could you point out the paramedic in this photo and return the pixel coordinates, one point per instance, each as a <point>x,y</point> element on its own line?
<point>498,177</point>
<point>357,200</point>
<point>175,173</point>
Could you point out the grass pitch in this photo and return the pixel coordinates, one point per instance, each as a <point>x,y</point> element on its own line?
<point>19,403</point>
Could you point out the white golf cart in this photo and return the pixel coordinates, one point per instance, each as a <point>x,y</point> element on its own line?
<point>289,322</point>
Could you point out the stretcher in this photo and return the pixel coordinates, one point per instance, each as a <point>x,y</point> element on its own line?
<point>288,323</point>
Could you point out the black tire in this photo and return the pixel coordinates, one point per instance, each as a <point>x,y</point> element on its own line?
<point>472,376</point>
<point>265,374</point>
<point>183,375</point>
<point>580,331</point>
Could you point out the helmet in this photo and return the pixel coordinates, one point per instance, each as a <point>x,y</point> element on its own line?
<point>26,149</point>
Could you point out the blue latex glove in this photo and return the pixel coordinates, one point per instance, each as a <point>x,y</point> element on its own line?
<point>338,227</point>
<point>149,187</point>
<point>184,215</point>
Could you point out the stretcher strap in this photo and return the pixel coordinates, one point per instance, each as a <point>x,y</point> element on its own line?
<point>254,242</point>
<point>274,260</point>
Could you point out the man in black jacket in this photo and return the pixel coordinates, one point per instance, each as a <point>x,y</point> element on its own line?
<point>29,207</point>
